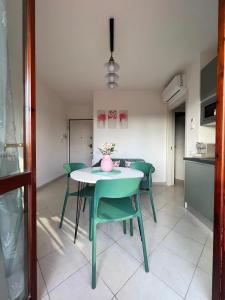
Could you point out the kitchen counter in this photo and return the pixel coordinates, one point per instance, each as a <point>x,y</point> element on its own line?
<point>210,161</point>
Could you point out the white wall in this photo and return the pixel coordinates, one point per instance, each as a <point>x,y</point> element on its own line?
<point>193,107</point>
<point>195,132</point>
<point>51,125</point>
<point>146,134</point>
<point>79,111</point>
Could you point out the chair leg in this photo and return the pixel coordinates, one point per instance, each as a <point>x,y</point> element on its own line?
<point>143,244</point>
<point>124,227</point>
<point>139,226</point>
<point>79,204</point>
<point>90,220</point>
<point>63,210</point>
<point>85,199</point>
<point>93,281</point>
<point>153,207</point>
<point>131,227</point>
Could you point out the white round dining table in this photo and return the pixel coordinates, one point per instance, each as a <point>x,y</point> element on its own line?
<point>92,175</point>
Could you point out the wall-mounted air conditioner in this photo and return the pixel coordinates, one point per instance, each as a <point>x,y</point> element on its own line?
<point>175,90</point>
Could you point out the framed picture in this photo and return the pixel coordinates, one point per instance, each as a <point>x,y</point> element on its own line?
<point>101,119</point>
<point>123,119</point>
<point>112,119</point>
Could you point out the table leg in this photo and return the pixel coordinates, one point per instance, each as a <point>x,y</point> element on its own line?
<point>79,203</point>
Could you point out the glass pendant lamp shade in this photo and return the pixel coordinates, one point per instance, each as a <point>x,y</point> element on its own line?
<point>112,66</point>
<point>112,85</point>
<point>111,77</point>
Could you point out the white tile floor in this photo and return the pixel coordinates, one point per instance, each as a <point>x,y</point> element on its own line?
<point>179,249</point>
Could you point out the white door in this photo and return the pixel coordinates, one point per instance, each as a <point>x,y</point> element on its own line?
<point>81,142</point>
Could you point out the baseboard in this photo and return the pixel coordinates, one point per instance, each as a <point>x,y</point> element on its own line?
<point>177,181</point>
<point>159,183</point>
<point>49,182</point>
<point>200,218</point>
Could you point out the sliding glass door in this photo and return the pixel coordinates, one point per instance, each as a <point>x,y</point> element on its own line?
<point>17,155</point>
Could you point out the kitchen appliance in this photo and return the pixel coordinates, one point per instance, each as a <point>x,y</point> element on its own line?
<point>208,111</point>
<point>205,150</point>
<point>175,90</point>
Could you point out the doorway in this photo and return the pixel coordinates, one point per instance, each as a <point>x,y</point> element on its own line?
<point>81,141</point>
<point>179,149</point>
<point>176,142</point>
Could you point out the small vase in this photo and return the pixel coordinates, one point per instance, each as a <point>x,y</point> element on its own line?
<point>106,163</point>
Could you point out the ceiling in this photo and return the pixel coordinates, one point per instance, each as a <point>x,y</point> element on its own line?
<point>154,39</point>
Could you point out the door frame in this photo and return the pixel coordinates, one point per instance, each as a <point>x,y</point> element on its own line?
<point>30,140</point>
<point>87,119</point>
<point>177,114</point>
<point>170,142</point>
<point>218,286</point>
<point>27,179</point>
<point>170,147</point>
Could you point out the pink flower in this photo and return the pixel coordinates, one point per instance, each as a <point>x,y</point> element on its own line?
<point>123,116</point>
<point>102,117</point>
<point>112,114</point>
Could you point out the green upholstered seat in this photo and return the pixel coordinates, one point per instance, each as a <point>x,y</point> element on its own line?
<point>115,209</point>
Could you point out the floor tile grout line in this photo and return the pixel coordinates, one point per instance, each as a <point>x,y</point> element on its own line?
<point>65,279</point>
<point>195,270</point>
<point>107,285</point>
<point>164,282</point>
<point>172,228</point>
<point>101,252</point>
<point>200,244</point>
<point>186,235</point>
<point>43,280</point>
<point>99,276</point>
<point>60,248</point>
<point>181,257</point>
<point>129,278</point>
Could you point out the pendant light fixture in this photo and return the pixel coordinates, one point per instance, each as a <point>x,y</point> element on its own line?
<point>111,66</point>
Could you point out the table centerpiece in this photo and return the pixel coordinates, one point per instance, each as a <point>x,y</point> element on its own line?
<point>106,162</point>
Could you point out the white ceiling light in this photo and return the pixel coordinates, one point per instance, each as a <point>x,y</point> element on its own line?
<point>112,85</point>
<point>111,66</point>
<point>112,77</point>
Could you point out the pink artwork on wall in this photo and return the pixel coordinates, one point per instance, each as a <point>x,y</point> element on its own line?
<point>123,119</point>
<point>101,119</point>
<point>112,119</point>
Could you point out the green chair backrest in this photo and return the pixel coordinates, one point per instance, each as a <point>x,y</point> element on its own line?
<point>147,169</point>
<point>115,188</point>
<point>70,167</point>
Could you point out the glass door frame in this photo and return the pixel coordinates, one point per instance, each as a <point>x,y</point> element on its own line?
<point>27,179</point>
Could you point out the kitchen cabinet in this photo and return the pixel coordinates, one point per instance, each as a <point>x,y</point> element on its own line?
<point>208,80</point>
<point>199,187</point>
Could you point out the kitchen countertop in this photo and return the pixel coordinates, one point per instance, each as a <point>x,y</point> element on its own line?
<point>204,160</point>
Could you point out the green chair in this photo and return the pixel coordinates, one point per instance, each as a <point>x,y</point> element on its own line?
<point>146,182</point>
<point>113,203</point>
<point>86,192</point>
